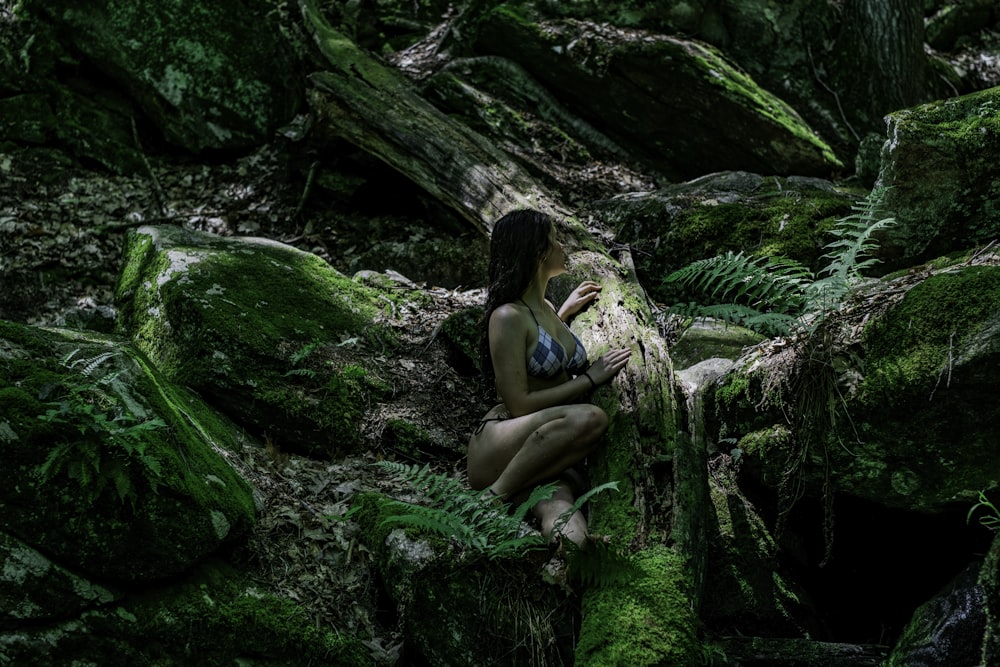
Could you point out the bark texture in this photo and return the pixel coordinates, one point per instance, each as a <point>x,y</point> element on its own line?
<point>882,43</point>
<point>376,109</point>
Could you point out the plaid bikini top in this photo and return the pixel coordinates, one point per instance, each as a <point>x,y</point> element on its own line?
<point>549,357</point>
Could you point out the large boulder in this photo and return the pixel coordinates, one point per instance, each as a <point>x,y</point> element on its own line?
<point>678,105</point>
<point>939,164</point>
<point>209,75</point>
<point>730,211</point>
<point>893,402</point>
<point>111,472</point>
<point>948,629</point>
<point>273,336</point>
<point>458,607</point>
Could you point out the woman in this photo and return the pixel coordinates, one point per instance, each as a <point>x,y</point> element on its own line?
<point>540,370</point>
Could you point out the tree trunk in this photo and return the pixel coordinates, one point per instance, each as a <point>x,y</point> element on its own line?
<point>882,48</point>
<point>375,108</point>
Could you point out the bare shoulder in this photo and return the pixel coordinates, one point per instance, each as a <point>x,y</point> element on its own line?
<point>507,315</point>
<point>508,319</point>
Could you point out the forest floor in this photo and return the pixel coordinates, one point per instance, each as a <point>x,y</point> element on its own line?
<point>60,220</point>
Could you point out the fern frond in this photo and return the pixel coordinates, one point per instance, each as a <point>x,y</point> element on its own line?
<point>307,372</point>
<point>772,324</point>
<point>753,281</point>
<point>433,485</point>
<point>91,364</point>
<point>538,494</point>
<point>473,519</point>
<point>855,240</point>
<point>426,518</point>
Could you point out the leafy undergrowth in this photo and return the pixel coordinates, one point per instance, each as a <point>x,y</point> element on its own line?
<point>55,215</point>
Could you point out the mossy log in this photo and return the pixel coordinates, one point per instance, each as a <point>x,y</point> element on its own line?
<point>375,108</point>
<point>651,617</point>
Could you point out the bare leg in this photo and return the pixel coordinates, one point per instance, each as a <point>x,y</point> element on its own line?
<point>518,453</point>
<point>551,515</point>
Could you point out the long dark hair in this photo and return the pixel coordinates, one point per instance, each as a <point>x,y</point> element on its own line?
<point>519,243</point>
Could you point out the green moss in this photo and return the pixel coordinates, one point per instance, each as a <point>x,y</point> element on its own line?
<point>768,444</point>
<point>646,620</point>
<point>614,513</point>
<point>218,616</point>
<point>909,348</point>
<point>516,12</point>
<point>212,305</point>
<point>95,476</point>
<point>777,226</point>
<point>462,331</point>
<point>718,72</point>
<point>276,352</point>
<point>735,390</point>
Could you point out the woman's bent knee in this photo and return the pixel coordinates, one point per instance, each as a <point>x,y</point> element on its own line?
<point>589,420</point>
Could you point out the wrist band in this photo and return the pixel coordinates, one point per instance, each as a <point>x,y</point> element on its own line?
<point>593,385</point>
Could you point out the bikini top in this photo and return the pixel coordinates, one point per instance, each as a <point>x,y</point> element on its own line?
<point>549,357</point>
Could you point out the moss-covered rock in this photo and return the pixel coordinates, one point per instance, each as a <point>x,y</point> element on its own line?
<point>213,617</point>
<point>947,629</point>
<point>736,211</point>
<point>898,412</point>
<point>460,609</point>
<point>646,620</point>
<point>944,181</point>
<point>189,67</point>
<point>703,340</point>
<point>272,335</point>
<point>607,76</point>
<point>34,589</point>
<point>112,471</point>
<point>746,588</point>
<point>85,129</point>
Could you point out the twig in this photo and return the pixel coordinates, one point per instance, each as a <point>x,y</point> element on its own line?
<point>306,190</point>
<point>157,188</point>
<point>980,252</point>
<point>836,97</point>
<point>947,366</point>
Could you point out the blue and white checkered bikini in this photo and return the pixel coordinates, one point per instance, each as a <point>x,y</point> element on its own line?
<point>549,357</point>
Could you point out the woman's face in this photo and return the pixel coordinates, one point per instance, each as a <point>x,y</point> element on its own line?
<point>554,261</point>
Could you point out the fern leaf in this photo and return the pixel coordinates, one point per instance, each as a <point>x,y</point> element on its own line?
<point>538,494</point>
<point>735,277</point>
<point>90,365</point>
<point>517,546</point>
<point>854,238</point>
<point>428,518</point>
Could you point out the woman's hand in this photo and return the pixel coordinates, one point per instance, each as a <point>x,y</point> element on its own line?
<point>609,365</point>
<point>584,293</point>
